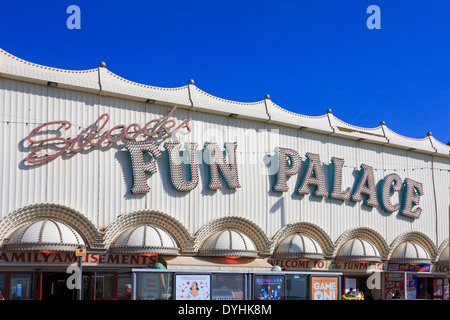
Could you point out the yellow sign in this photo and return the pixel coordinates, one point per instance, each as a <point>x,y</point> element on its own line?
<point>80,252</point>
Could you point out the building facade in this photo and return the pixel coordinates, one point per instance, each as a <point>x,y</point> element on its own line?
<point>141,177</point>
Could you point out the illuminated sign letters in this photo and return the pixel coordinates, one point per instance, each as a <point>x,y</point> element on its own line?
<point>289,164</point>
<point>94,137</point>
<point>175,161</point>
<point>222,163</point>
<point>314,175</point>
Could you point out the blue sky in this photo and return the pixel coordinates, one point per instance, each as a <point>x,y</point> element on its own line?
<point>308,55</point>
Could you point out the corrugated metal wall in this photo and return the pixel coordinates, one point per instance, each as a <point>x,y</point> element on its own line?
<point>97,182</point>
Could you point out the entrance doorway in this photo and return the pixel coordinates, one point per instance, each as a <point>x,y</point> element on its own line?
<point>54,287</point>
<point>359,283</point>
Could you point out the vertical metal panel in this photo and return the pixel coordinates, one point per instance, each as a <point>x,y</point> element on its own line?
<point>208,204</point>
<point>249,200</point>
<point>420,169</point>
<point>344,214</point>
<point>71,178</point>
<point>395,161</point>
<point>371,155</point>
<point>22,107</point>
<point>115,173</point>
<point>315,209</point>
<point>283,207</point>
<point>442,187</point>
<point>97,182</point>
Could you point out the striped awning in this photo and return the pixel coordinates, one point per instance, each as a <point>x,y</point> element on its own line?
<point>358,250</point>
<point>45,235</point>
<point>145,239</point>
<point>410,252</point>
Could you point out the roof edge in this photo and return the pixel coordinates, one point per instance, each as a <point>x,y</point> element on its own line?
<point>103,82</point>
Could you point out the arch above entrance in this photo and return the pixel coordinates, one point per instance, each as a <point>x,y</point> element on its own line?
<point>92,237</point>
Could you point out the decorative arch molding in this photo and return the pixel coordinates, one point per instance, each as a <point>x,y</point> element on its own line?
<point>154,218</point>
<point>307,229</point>
<point>444,245</point>
<point>92,237</point>
<point>417,237</point>
<point>364,234</point>
<point>262,243</point>
<point>440,252</point>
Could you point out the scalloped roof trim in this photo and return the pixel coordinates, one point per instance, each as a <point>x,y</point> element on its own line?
<point>104,82</point>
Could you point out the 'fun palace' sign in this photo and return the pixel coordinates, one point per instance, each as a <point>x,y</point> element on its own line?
<point>288,163</point>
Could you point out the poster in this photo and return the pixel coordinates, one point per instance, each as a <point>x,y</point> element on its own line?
<point>269,287</point>
<point>193,287</point>
<point>393,283</point>
<point>154,286</point>
<point>446,290</point>
<point>411,287</point>
<point>438,286</point>
<point>324,288</point>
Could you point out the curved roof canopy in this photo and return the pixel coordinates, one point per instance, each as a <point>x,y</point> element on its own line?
<point>358,250</point>
<point>444,257</point>
<point>145,239</point>
<point>410,252</point>
<point>300,247</point>
<point>229,242</point>
<point>46,234</point>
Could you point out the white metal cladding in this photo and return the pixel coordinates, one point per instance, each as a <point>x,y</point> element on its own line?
<point>97,182</point>
<point>441,179</point>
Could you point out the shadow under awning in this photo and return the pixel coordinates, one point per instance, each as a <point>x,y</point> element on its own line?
<point>216,263</point>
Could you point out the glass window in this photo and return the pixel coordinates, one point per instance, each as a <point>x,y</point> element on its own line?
<point>21,286</point>
<point>154,286</point>
<point>269,287</point>
<point>124,286</point>
<point>104,286</point>
<point>88,286</point>
<point>228,286</point>
<point>296,287</point>
<point>100,285</point>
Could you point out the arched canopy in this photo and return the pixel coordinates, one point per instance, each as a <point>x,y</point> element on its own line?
<point>242,226</point>
<point>370,244</point>
<point>161,221</point>
<point>413,247</point>
<point>444,257</point>
<point>145,239</point>
<point>410,252</point>
<point>358,250</point>
<point>228,242</point>
<point>55,212</point>
<point>45,234</point>
<point>298,246</point>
